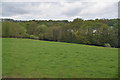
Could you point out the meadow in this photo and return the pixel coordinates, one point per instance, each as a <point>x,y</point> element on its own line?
<point>27,58</point>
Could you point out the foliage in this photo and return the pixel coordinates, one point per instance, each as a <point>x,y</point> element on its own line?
<point>33,37</point>
<point>12,29</point>
<point>93,32</point>
<point>107,45</point>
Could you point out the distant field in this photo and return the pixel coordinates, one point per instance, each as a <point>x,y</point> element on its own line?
<point>44,59</point>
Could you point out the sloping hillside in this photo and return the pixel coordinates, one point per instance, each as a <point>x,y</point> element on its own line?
<point>44,59</point>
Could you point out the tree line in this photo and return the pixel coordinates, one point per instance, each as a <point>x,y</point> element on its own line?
<point>100,32</point>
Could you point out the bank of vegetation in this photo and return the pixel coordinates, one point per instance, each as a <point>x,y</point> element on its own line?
<point>100,32</point>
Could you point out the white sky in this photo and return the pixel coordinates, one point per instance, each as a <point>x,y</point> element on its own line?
<point>59,9</point>
<point>59,0</point>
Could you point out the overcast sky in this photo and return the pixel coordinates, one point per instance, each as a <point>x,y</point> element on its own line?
<point>59,10</point>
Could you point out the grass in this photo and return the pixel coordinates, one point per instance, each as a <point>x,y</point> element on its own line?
<point>25,58</point>
<point>0,58</point>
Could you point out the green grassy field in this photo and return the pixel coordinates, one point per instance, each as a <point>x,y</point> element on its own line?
<point>45,59</point>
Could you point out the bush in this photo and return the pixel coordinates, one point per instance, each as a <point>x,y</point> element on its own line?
<point>27,36</point>
<point>34,37</point>
<point>107,45</point>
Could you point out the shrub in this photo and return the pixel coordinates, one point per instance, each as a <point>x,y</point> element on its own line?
<point>107,45</point>
<point>27,36</point>
<point>34,37</point>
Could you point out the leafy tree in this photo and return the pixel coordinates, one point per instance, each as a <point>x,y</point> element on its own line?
<point>40,31</point>
<point>95,32</point>
<point>12,29</point>
<point>31,27</point>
